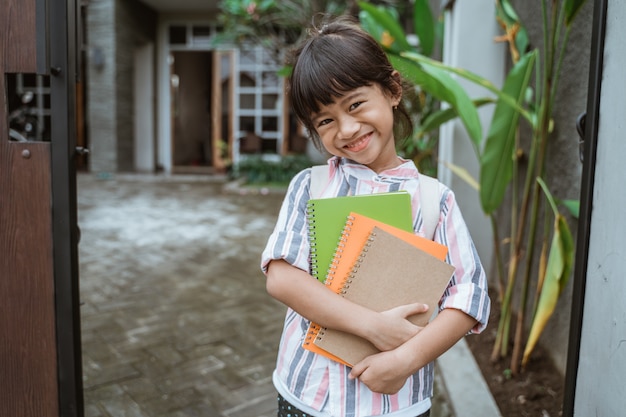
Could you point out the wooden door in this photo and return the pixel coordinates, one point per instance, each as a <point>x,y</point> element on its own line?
<point>40,372</point>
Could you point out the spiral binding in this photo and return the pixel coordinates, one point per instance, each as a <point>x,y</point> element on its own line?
<point>310,335</point>
<point>357,264</point>
<point>341,244</point>
<point>310,214</point>
<point>316,331</point>
<point>320,333</point>
<point>345,285</point>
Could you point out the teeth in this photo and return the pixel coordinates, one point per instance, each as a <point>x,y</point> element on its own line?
<point>355,144</point>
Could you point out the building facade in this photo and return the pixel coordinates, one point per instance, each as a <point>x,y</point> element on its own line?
<point>163,95</point>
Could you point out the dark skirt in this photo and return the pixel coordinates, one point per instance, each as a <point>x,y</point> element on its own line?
<point>286,409</point>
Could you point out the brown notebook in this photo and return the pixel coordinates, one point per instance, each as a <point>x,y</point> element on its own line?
<point>389,272</point>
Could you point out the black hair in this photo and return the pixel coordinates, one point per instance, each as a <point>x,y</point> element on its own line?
<point>338,57</point>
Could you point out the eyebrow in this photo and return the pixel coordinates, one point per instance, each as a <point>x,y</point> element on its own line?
<point>352,96</point>
<point>341,100</point>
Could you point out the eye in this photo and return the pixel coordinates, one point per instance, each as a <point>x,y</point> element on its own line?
<point>324,122</point>
<point>355,105</point>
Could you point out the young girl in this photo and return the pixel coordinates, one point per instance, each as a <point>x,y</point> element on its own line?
<point>348,96</point>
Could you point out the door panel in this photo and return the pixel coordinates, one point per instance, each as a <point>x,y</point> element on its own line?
<point>192,111</point>
<point>28,384</point>
<point>28,356</point>
<point>39,364</point>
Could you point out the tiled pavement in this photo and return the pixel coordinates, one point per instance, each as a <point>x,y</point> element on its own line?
<point>175,318</point>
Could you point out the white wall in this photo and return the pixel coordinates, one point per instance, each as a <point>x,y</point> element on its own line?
<point>470,30</point>
<point>164,136</point>
<point>601,387</point>
<point>144,109</point>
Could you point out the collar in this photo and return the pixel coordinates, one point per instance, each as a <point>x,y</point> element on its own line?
<point>406,170</point>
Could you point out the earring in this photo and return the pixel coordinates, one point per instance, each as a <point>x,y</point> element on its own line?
<point>395,107</point>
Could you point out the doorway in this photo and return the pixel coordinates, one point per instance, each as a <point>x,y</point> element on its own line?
<point>191,74</point>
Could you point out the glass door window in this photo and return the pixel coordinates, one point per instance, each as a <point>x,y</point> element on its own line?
<point>259,104</point>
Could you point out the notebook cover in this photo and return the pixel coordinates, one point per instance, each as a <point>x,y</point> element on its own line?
<point>389,272</point>
<point>327,217</point>
<point>355,233</point>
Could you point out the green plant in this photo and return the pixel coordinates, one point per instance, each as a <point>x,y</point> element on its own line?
<point>384,24</point>
<point>555,262</point>
<point>500,165</point>
<point>258,170</point>
<point>278,24</point>
<point>222,147</point>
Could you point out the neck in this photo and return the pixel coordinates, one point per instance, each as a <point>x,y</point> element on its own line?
<point>394,163</point>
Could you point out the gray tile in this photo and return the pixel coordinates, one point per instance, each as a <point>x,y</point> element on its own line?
<point>175,320</point>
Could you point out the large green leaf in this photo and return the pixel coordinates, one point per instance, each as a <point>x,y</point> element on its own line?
<point>437,118</point>
<point>388,23</point>
<point>573,206</point>
<point>424,26</point>
<point>560,261</point>
<point>370,25</point>
<point>442,86</point>
<point>496,161</point>
<point>470,76</point>
<point>571,10</point>
<point>463,174</point>
<point>558,270</point>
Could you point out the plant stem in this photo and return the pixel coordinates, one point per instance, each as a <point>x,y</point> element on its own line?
<point>517,345</point>
<point>502,340</point>
<point>502,336</point>
<point>498,256</point>
<point>495,352</point>
<point>543,261</point>
<point>521,315</point>
<point>505,334</point>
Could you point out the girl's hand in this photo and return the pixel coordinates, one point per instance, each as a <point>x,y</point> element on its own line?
<point>386,372</point>
<point>383,372</point>
<point>393,328</point>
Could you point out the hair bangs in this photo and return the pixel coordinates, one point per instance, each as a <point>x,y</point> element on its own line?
<point>326,71</point>
<point>338,57</point>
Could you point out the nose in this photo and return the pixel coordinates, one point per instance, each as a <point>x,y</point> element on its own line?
<point>348,127</point>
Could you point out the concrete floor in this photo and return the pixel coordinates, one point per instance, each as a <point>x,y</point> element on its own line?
<point>175,318</point>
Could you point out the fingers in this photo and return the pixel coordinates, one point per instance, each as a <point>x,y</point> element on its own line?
<point>418,308</point>
<point>357,370</point>
<point>411,309</point>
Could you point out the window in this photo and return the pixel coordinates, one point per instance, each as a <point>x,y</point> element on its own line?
<point>178,35</point>
<point>28,105</point>
<point>259,98</point>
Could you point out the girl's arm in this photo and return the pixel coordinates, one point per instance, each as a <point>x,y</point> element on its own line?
<point>311,299</point>
<point>387,372</point>
<point>464,307</point>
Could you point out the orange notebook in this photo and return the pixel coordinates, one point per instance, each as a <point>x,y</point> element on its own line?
<point>356,232</point>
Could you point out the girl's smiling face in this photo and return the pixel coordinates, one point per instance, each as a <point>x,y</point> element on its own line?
<point>359,126</point>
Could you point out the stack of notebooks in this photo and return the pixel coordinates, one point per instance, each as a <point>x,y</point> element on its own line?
<point>364,248</point>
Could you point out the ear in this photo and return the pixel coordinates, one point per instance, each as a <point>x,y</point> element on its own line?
<point>396,93</point>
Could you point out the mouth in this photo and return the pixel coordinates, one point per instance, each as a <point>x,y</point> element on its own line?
<point>358,144</point>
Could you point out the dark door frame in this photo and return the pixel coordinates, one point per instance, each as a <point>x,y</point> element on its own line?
<point>62,36</point>
<point>586,203</point>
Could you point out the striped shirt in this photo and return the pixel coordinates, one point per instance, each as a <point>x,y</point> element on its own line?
<point>320,386</point>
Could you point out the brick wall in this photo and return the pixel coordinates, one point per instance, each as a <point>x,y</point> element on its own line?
<point>114,29</point>
<point>101,96</point>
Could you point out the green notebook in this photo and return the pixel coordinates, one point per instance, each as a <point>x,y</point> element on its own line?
<point>327,218</point>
